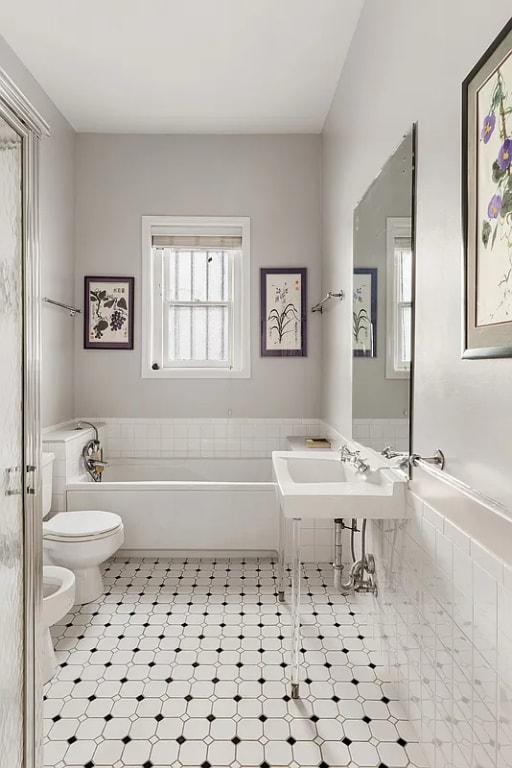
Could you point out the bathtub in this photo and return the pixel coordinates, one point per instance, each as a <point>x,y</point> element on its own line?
<point>224,505</point>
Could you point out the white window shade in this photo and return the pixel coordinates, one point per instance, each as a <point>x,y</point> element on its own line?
<point>212,242</point>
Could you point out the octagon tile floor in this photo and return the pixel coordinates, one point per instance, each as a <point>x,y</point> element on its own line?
<point>183,663</point>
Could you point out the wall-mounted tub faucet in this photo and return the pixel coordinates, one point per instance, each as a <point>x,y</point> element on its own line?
<point>92,454</point>
<point>93,460</point>
<point>79,426</point>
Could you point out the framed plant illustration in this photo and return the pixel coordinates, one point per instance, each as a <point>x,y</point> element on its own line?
<point>108,312</point>
<point>487,201</point>
<point>364,312</point>
<point>283,312</point>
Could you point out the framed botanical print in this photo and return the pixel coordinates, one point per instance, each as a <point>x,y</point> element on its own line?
<point>364,312</point>
<point>108,312</point>
<point>283,312</point>
<point>487,201</point>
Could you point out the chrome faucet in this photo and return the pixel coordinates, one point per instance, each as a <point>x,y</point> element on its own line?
<point>93,460</point>
<point>389,452</point>
<point>405,462</point>
<point>92,464</point>
<point>353,458</point>
<point>89,424</point>
<point>92,454</point>
<point>404,459</point>
<point>359,464</point>
<point>346,454</point>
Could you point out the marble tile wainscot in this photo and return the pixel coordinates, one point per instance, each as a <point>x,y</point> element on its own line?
<point>445,602</point>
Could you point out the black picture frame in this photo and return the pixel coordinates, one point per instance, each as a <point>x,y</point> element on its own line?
<point>283,311</point>
<point>108,312</point>
<point>364,313</point>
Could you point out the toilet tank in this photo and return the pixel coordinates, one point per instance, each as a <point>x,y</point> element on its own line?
<point>47,480</point>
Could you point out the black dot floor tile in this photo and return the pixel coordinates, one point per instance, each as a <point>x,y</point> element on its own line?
<point>180,693</point>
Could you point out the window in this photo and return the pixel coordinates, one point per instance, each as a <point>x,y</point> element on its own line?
<point>195,308</point>
<point>399,298</point>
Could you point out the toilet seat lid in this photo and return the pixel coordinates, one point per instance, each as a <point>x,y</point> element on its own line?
<point>82,523</point>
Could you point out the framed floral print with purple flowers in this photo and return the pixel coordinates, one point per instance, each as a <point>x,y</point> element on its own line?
<point>108,312</point>
<point>487,201</point>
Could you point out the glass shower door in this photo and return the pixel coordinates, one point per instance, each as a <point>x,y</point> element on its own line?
<point>11,451</point>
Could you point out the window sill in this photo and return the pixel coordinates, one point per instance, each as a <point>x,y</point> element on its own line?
<point>195,373</point>
<point>398,374</point>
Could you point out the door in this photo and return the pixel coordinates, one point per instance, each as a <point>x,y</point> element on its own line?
<point>12,627</point>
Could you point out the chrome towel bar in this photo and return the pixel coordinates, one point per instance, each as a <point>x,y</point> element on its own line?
<point>437,459</point>
<point>330,295</point>
<point>72,310</point>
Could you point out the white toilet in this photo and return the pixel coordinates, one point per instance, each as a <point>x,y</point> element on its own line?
<point>80,541</point>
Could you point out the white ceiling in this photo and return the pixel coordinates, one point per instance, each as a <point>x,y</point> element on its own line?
<point>185,66</point>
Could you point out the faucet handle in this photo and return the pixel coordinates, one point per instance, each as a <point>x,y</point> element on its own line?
<point>346,453</point>
<point>360,464</point>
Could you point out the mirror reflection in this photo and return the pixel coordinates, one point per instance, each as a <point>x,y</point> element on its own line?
<point>383,305</point>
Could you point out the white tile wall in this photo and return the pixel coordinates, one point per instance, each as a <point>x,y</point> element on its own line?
<point>377,433</point>
<point>445,607</point>
<point>445,616</point>
<point>67,444</point>
<point>195,438</point>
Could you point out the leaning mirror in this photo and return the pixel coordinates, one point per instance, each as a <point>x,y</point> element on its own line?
<point>383,296</point>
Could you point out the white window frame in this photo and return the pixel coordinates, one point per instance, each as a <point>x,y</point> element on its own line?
<point>396,227</point>
<point>152,300</point>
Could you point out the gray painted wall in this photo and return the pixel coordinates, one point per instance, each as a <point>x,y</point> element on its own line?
<point>390,194</point>
<point>420,54</point>
<point>57,167</point>
<point>276,180</point>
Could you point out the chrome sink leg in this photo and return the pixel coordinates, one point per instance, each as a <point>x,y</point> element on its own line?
<point>281,558</point>
<point>296,566</point>
<point>338,554</point>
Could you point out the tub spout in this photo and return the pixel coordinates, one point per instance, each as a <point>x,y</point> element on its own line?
<point>93,460</point>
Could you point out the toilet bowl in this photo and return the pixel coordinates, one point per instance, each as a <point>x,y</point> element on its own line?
<point>58,599</point>
<point>81,541</point>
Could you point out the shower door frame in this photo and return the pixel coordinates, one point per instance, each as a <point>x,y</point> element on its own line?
<point>19,113</point>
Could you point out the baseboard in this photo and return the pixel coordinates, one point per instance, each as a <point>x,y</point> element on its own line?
<point>198,553</point>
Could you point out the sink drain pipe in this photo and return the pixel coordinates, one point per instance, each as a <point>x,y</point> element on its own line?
<point>362,572</point>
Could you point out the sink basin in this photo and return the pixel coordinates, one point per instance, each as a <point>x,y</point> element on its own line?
<point>315,470</point>
<point>318,486</point>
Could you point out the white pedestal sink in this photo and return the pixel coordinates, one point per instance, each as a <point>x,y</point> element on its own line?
<point>315,486</point>
<point>312,485</point>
